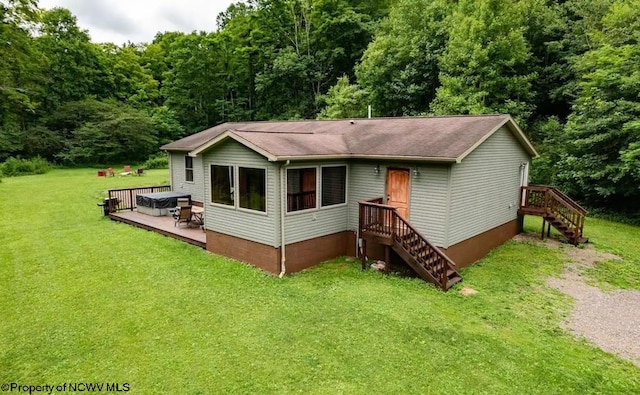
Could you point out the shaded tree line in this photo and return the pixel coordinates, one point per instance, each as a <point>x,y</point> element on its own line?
<point>568,71</point>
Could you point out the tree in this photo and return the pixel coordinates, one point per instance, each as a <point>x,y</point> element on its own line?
<point>112,133</point>
<point>485,67</point>
<point>20,74</point>
<point>73,68</point>
<point>344,101</point>
<point>400,67</point>
<point>603,132</point>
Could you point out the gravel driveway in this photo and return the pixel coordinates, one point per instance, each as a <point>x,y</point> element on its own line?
<point>611,320</point>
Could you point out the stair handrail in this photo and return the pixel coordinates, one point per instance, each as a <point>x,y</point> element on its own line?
<point>558,192</point>
<point>395,217</point>
<point>577,224</point>
<point>441,255</point>
<point>571,202</point>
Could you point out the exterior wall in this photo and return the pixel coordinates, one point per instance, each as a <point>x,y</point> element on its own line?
<point>308,253</point>
<point>427,201</point>
<point>318,222</point>
<point>485,187</point>
<point>263,256</point>
<point>428,204</point>
<point>364,184</point>
<point>468,251</point>
<point>178,182</point>
<point>300,255</point>
<point>249,225</point>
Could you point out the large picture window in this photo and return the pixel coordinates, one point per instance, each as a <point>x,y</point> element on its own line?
<point>222,190</point>
<point>188,168</point>
<point>301,189</point>
<point>252,189</point>
<point>334,185</point>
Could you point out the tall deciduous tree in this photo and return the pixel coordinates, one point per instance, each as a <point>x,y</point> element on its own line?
<point>603,132</point>
<point>20,73</point>
<point>400,67</point>
<point>485,67</point>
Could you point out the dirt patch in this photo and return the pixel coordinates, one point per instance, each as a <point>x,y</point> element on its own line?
<point>466,291</point>
<point>610,320</point>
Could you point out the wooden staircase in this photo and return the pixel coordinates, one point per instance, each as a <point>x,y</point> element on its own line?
<point>556,209</point>
<point>382,224</point>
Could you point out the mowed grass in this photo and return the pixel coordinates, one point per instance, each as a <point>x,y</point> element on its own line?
<point>86,299</point>
<point>613,237</point>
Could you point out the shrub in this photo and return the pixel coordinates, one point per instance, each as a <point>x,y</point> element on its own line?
<point>21,167</point>
<point>157,161</point>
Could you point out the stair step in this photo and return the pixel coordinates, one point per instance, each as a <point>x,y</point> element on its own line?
<point>453,281</point>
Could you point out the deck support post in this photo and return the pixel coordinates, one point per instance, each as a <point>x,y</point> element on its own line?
<point>387,258</point>
<point>544,222</point>
<point>548,229</point>
<point>363,254</point>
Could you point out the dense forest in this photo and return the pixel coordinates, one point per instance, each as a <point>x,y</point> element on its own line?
<point>567,71</point>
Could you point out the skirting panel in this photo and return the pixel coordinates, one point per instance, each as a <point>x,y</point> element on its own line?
<point>257,254</point>
<point>300,255</point>
<point>469,251</point>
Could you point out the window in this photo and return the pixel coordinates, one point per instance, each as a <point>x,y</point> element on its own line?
<point>252,188</point>
<point>188,168</point>
<point>222,185</point>
<point>301,189</point>
<point>334,181</point>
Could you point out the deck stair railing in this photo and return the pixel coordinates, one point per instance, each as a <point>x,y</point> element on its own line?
<point>125,198</point>
<point>383,224</point>
<point>556,209</point>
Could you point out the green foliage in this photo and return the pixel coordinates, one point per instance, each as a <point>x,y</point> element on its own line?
<point>603,132</point>
<point>566,70</point>
<point>344,101</point>
<point>13,167</point>
<point>484,68</point>
<point>112,133</point>
<point>157,161</point>
<point>400,67</point>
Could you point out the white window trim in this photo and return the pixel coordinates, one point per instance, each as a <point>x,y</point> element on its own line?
<point>286,185</point>
<point>346,188</point>
<point>236,189</point>
<point>210,191</point>
<point>319,206</point>
<point>266,190</point>
<point>193,173</point>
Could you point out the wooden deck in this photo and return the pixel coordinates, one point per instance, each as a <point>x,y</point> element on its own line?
<point>163,225</point>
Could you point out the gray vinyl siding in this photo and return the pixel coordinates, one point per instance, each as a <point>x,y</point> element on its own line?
<point>364,184</point>
<point>178,181</point>
<point>322,221</point>
<point>485,187</point>
<point>259,227</point>
<point>427,200</point>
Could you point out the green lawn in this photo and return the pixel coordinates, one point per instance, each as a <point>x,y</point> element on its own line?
<point>86,299</point>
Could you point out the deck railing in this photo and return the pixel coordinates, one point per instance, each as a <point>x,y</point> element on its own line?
<point>125,198</point>
<point>384,221</point>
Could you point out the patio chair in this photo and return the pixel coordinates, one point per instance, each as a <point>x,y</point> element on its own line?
<point>110,172</point>
<point>182,215</point>
<point>127,169</point>
<point>140,171</point>
<point>183,202</point>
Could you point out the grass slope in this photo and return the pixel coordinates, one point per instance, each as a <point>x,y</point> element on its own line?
<point>86,299</point>
<point>620,239</point>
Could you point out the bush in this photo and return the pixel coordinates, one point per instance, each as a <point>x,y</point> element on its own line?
<point>21,167</point>
<point>157,161</point>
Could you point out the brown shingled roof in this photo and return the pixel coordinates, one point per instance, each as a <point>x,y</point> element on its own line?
<point>429,138</point>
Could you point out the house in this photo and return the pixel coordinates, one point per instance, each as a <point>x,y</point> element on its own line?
<point>287,195</point>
